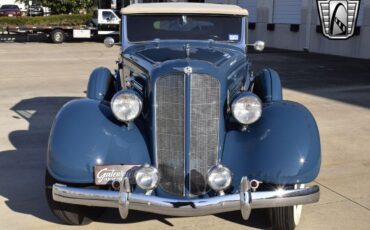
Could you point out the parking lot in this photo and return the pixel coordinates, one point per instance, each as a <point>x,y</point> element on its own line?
<point>36,79</point>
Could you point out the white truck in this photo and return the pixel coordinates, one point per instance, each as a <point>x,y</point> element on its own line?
<point>105,22</point>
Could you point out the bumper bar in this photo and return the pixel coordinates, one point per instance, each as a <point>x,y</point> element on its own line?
<point>124,200</point>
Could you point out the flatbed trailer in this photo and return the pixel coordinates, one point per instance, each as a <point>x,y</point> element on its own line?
<point>105,22</point>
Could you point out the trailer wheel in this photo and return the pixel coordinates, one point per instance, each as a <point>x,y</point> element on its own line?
<point>57,36</point>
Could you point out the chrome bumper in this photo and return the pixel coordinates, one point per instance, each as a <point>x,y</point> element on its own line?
<point>245,201</point>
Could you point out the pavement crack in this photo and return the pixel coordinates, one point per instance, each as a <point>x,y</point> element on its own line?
<point>345,197</point>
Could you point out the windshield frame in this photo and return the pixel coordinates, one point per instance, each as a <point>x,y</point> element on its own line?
<point>240,44</point>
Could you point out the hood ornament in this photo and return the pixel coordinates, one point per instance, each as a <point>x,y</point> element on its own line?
<point>187,50</point>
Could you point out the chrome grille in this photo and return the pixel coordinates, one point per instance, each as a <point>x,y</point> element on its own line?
<point>204,129</point>
<point>170,131</point>
<point>170,114</point>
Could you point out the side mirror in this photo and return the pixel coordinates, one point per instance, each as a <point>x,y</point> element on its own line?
<point>109,42</point>
<point>259,45</point>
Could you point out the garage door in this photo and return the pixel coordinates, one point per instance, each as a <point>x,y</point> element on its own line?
<point>251,6</point>
<point>216,1</point>
<point>360,17</point>
<point>287,11</point>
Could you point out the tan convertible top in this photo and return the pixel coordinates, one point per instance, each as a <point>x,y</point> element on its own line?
<point>183,8</point>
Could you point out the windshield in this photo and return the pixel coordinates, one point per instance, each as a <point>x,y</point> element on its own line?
<point>184,27</point>
<point>10,7</point>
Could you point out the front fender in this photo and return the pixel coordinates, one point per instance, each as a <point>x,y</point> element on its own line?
<point>283,147</point>
<point>84,134</point>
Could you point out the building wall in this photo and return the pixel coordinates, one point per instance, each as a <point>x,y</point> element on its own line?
<point>356,46</point>
<point>307,38</point>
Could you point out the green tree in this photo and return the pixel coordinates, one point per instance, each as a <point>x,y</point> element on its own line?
<point>66,6</point>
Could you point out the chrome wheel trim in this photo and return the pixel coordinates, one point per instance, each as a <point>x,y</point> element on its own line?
<point>297,209</point>
<point>58,36</point>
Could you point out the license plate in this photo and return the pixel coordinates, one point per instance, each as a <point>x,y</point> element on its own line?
<point>10,15</point>
<point>106,174</point>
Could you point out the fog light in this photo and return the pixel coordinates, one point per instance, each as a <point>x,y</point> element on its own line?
<point>219,178</point>
<point>147,177</point>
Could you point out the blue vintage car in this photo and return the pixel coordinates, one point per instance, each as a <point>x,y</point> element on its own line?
<point>182,127</point>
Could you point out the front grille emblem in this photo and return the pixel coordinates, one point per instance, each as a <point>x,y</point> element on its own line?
<point>188,70</point>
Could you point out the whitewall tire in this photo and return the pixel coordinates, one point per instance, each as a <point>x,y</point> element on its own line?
<point>286,218</point>
<point>297,209</point>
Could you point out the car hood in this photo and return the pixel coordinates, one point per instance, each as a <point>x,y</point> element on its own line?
<point>8,10</point>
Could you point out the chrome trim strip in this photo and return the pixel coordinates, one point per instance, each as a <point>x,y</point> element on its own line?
<point>188,71</point>
<point>192,207</point>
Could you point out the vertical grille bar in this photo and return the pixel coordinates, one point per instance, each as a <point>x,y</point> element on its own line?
<point>170,114</point>
<point>204,126</point>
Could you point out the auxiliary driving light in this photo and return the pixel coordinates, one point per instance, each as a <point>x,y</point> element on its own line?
<point>219,177</point>
<point>126,105</point>
<point>147,177</point>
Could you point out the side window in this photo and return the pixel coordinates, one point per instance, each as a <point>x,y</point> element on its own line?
<point>107,15</point>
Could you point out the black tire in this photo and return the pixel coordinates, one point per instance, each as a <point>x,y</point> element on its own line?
<point>57,36</point>
<point>70,214</point>
<point>282,218</point>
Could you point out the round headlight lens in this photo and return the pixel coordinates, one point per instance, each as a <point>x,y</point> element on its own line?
<point>147,177</point>
<point>247,108</point>
<point>126,105</point>
<point>219,178</point>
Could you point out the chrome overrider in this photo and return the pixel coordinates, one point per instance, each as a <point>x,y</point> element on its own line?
<point>245,201</point>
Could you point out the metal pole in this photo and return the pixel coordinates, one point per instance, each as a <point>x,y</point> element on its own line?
<point>308,25</point>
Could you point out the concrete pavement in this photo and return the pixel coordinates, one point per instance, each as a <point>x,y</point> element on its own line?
<point>37,79</point>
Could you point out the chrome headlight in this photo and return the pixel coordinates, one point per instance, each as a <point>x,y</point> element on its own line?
<point>126,105</point>
<point>247,108</point>
<point>219,178</point>
<point>147,177</point>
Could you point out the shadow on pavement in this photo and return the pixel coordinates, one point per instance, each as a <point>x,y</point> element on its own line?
<point>258,219</point>
<point>23,170</point>
<point>333,77</point>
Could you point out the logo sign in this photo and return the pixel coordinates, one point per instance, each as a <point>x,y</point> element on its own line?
<point>338,17</point>
<point>106,174</point>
